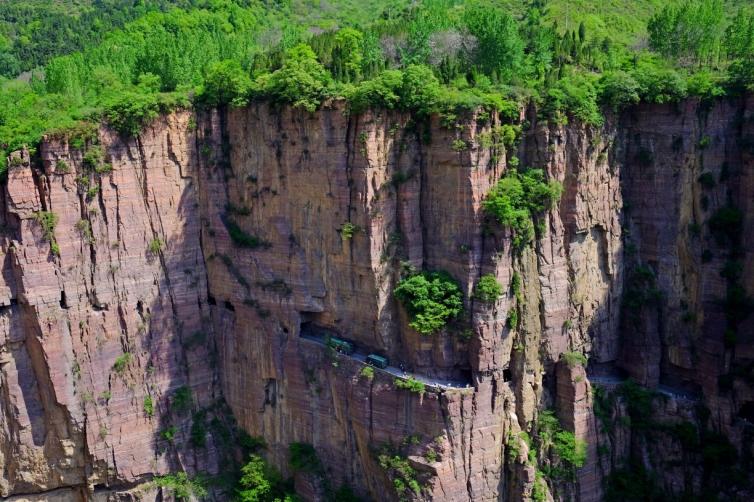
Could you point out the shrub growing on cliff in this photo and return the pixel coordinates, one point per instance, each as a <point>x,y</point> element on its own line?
<point>569,452</point>
<point>181,400</point>
<point>241,238</point>
<point>517,198</point>
<point>431,300</point>
<point>303,457</point>
<point>156,245</point>
<point>488,289</point>
<point>400,471</point>
<point>574,359</point>
<point>410,384</point>
<point>726,225</point>
<point>260,482</point>
<point>121,362</point>
<point>348,230</point>
<point>181,485</point>
<point>148,406</point>
<point>367,372</point>
<point>47,220</point>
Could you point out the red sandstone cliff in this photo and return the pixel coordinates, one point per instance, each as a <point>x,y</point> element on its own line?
<point>153,273</point>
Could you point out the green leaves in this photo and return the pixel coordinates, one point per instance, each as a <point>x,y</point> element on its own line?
<point>225,83</point>
<point>431,300</point>
<point>488,289</point>
<point>302,80</point>
<point>517,198</point>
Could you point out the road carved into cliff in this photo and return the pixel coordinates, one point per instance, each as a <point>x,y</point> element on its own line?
<point>318,336</point>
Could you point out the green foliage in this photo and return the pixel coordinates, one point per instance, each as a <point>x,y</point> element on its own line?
<point>428,57</point>
<point>632,484</point>
<point>568,452</point>
<point>618,89</point>
<point>400,471</point>
<point>85,229</point>
<point>383,91</point>
<point>348,230</point>
<point>129,111</point>
<point>639,403</point>
<point>431,300</point>
<point>61,167</point>
<point>241,238</point>
<point>539,488</point>
<point>410,384</point>
<point>148,406</point>
<point>726,225</point>
<point>182,400</point>
<point>169,433</point>
<point>156,245</point>
<point>658,83</point>
<point>47,220</point>
<point>512,320</point>
<point>516,287</point>
<point>92,158</point>
<point>345,494</point>
<point>367,372</point>
<point>707,180</point>
<point>569,449</point>
<point>225,83</point>
<point>303,457</point>
<point>302,80</point>
<point>198,433</point>
<point>420,89</point>
<point>500,50</point>
<point>121,362</point>
<point>488,289</point>
<point>692,30</point>
<point>181,485</point>
<point>575,95</point>
<point>260,482</point>
<point>574,359</point>
<point>641,290</point>
<point>517,198</point>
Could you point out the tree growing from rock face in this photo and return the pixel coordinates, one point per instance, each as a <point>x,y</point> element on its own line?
<point>431,300</point>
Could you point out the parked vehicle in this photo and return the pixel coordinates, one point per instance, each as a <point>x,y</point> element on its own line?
<point>377,361</point>
<point>340,345</point>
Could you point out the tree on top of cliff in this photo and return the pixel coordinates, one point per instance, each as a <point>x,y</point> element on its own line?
<point>431,300</point>
<point>302,80</point>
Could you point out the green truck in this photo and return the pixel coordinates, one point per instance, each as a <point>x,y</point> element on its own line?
<point>339,345</point>
<point>377,361</point>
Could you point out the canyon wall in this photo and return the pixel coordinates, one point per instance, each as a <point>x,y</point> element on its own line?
<point>166,305</point>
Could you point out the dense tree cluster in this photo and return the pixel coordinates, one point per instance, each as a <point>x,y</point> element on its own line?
<point>433,56</point>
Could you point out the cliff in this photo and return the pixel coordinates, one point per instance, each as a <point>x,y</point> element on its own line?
<point>166,303</point>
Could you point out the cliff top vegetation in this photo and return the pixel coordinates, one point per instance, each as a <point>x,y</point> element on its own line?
<point>574,59</point>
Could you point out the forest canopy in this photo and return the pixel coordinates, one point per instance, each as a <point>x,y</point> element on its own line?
<point>433,56</point>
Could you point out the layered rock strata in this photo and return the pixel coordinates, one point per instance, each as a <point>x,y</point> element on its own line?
<point>184,265</point>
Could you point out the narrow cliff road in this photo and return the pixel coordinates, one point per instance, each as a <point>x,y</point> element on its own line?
<point>318,337</point>
<point>612,382</point>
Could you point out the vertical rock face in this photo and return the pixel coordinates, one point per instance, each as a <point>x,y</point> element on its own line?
<point>184,266</point>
